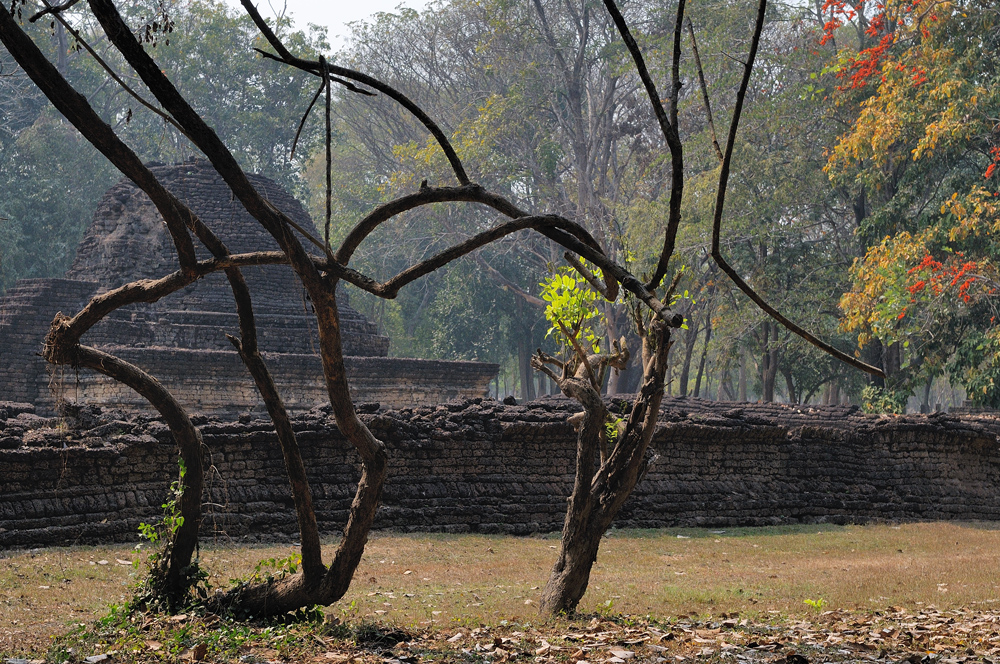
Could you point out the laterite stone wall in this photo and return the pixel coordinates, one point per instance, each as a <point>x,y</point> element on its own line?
<point>480,466</point>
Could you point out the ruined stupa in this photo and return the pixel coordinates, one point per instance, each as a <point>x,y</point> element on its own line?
<point>181,339</point>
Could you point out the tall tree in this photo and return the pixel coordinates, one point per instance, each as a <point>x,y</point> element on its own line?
<point>923,147</point>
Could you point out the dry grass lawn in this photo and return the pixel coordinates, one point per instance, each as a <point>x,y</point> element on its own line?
<point>472,580</point>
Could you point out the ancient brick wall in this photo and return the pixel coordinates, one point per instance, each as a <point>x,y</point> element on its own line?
<point>215,381</point>
<point>26,312</point>
<point>484,467</point>
<point>181,339</point>
<point>208,379</point>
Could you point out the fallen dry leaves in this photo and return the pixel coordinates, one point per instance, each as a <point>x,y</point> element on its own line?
<point>893,635</point>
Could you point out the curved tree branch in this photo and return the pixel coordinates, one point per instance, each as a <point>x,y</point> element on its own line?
<point>720,201</point>
<point>60,348</point>
<point>668,126</point>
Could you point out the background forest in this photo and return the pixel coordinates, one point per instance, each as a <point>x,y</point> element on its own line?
<point>863,200</point>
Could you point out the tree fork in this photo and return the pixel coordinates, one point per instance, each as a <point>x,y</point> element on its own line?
<point>598,495</point>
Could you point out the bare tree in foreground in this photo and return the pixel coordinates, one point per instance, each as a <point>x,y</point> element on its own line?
<point>605,474</point>
<point>600,489</point>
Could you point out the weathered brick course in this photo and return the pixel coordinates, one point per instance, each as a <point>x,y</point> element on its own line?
<point>181,339</point>
<point>480,466</point>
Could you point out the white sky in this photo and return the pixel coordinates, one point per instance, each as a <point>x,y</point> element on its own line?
<point>334,14</point>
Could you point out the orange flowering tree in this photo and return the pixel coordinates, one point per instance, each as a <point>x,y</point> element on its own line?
<point>923,150</point>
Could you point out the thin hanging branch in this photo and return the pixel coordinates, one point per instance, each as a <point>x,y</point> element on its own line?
<point>325,248</point>
<point>704,90</point>
<point>315,68</point>
<point>305,116</point>
<point>720,201</point>
<point>329,158</point>
<point>56,12</point>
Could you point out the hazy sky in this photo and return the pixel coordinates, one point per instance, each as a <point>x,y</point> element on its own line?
<point>334,14</point>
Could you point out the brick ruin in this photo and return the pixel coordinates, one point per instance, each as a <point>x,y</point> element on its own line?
<point>481,466</point>
<point>468,465</point>
<point>181,339</point>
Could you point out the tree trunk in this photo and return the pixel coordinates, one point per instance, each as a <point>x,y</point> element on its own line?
<point>704,354</point>
<point>892,359</point>
<point>571,573</point>
<point>769,365</point>
<point>690,339</point>
<point>598,496</point>
<point>873,353</point>
<point>793,396</point>
<point>725,392</point>
<point>615,376</point>
<point>62,49</point>
<point>524,351</point>
<point>742,387</point>
<point>527,378</point>
<point>669,387</point>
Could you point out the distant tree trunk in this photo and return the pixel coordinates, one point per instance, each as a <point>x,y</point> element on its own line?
<point>527,380</point>
<point>410,327</point>
<point>630,378</point>
<point>925,406</point>
<point>62,49</point>
<point>725,392</point>
<point>793,396</point>
<point>769,365</point>
<point>690,339</point>
<point>524,351</point>
<point>742,387</point>
<point>704,354</point>
<point>874,354</point>
<point>615,376</point>
<point>669,387</point>
<point>892,358</point>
